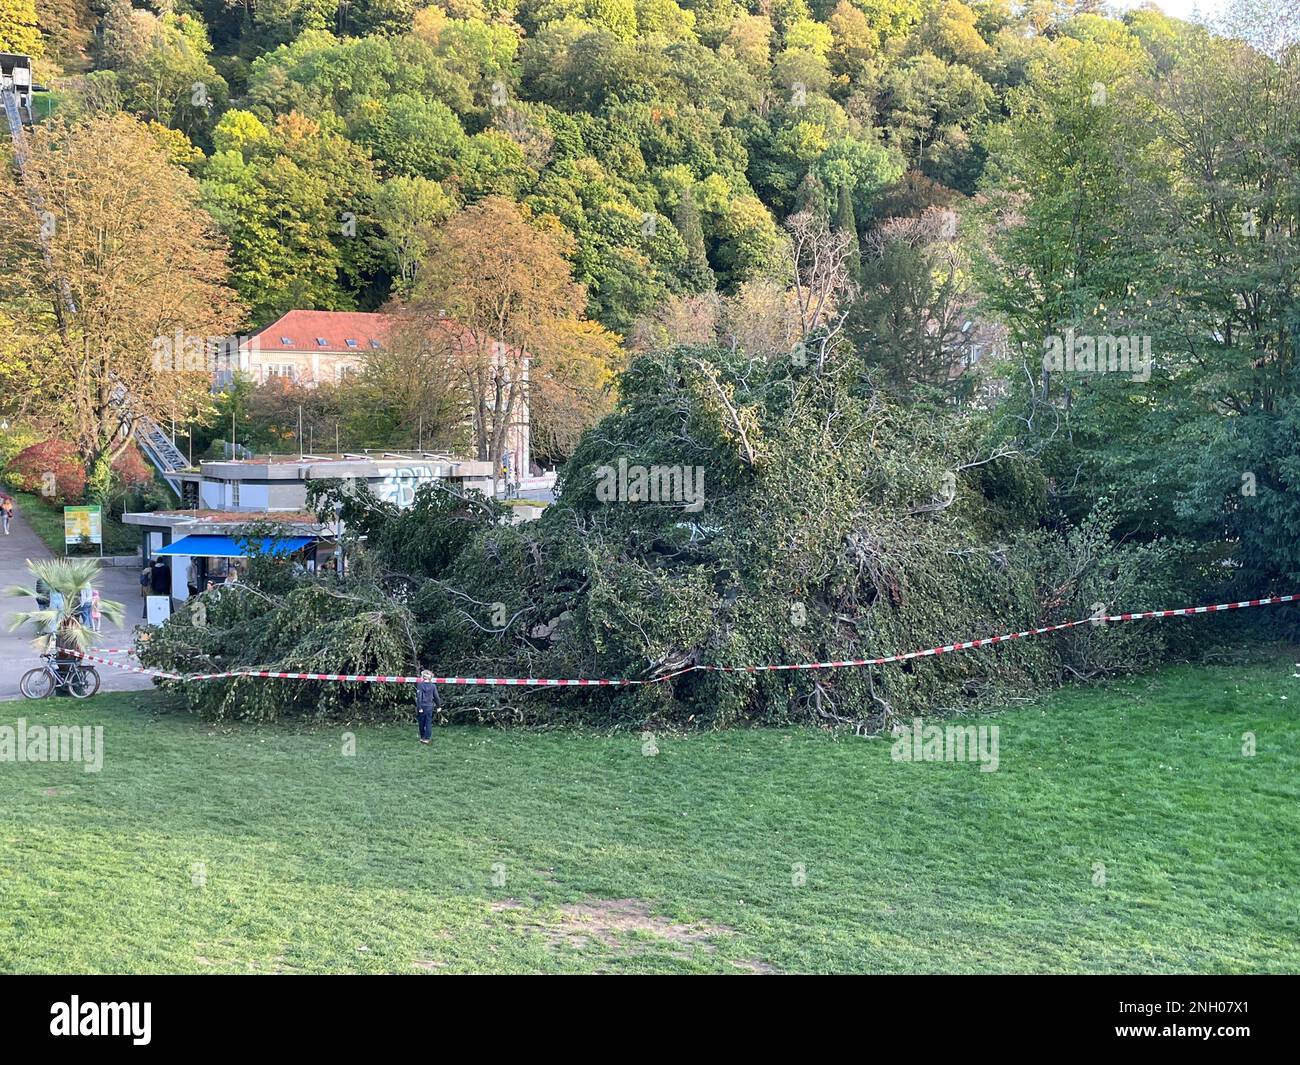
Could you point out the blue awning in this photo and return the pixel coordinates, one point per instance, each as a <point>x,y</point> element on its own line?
<point>236,546</point>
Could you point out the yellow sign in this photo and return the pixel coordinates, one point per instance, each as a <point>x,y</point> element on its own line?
<point>83,525</point>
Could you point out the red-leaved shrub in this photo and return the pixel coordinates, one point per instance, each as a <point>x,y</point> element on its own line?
<point>130,470</point>
<point>51,469</point>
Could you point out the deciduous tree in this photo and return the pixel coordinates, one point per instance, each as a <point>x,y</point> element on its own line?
<point>115,282</point>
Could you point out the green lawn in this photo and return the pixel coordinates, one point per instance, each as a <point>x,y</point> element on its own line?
<point>503,851</point>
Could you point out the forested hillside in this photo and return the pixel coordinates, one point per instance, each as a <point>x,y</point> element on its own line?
<point>670,141</point>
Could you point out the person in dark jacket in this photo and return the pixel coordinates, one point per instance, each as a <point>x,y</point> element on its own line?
<point>427,700</point>
<point>160,578</point>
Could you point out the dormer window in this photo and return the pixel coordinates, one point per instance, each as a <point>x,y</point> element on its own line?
<point>374,343</point>
<point>352,343</point>
<point>322,342</point>
<point>287,341</point>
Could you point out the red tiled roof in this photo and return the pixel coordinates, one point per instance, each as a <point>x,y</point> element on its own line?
<point>303,330</point>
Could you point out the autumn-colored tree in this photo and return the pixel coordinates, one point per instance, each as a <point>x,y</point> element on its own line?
<point>571,386</point>
<point>505,282</point>
<point>18,28</point>
<point>413,376</point>
<point>130,470</point>
<point>51,469</point>
<point>113,282</point>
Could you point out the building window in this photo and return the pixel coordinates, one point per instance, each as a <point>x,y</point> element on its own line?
<point>234,493</point>
<point>374,343</point>
<point>287,341</point>
<point>352,343</point>
<point>322,342</point>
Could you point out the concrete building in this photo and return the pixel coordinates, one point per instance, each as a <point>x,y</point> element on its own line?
<point>314,347</point>
<point>226,498</point>
<point>279,482</point>
<point>198,547</point>
<point>16,77</point>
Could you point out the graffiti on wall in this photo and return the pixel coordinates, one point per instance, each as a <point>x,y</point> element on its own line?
<point>398,485</point>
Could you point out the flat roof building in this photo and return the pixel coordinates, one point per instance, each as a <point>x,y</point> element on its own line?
<point>279,482</point>
<point>227,497</point>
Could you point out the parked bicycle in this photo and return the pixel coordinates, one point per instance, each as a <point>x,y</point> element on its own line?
<point>60,674</point>
<point>64,625</point>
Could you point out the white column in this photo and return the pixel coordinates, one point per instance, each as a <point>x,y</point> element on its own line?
<point>180,565</point>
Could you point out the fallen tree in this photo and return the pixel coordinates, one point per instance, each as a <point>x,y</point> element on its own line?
<point>729,512</point>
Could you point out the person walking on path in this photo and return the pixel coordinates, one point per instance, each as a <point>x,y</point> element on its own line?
<point>7,512</point>
<point>427,700</point>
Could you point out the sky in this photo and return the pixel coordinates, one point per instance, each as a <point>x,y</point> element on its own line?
<point>1178,8</point>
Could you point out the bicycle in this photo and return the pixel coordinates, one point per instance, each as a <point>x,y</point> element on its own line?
<point>56,674</point>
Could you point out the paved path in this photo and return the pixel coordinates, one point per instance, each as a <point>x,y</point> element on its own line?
<point>16,653</point>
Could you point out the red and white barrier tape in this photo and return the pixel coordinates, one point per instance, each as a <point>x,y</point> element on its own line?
<point>541,682</point>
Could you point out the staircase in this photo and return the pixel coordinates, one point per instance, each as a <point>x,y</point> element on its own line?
<point>158,446</point>
<point>14,114</point>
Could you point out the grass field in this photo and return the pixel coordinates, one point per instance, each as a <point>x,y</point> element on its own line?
<point>242,849</point>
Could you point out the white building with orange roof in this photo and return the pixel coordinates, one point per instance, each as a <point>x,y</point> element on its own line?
<point>312,348</point>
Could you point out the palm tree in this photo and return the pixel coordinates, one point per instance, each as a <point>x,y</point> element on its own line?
<point>59,625</point>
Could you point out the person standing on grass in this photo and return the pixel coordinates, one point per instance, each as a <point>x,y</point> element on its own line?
<point>427,700</point>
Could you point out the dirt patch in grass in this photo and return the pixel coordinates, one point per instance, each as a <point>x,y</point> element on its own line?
<point>753,965</point>
<point>621,925</point>
<point>606,919</point>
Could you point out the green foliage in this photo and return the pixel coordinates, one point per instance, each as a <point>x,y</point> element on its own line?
<point>1129,176</point>
<point>18,28</point>
<point>1131,204</point>
<point>315,627</point>
<point>60,581</point>
<point>597,112</point>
